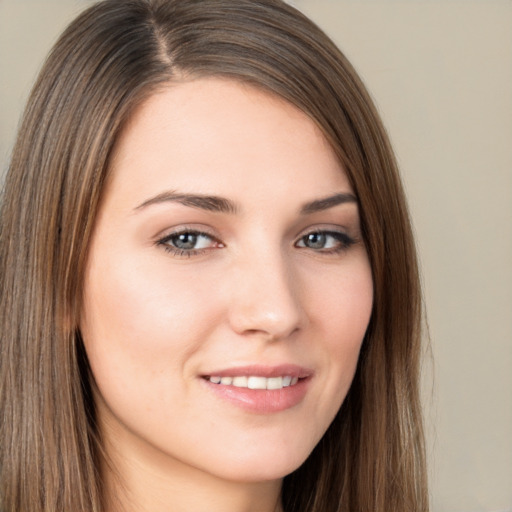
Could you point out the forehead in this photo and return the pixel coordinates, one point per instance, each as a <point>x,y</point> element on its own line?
<point>212,134</point>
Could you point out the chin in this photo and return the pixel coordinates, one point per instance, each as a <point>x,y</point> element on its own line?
<point>267,465</point>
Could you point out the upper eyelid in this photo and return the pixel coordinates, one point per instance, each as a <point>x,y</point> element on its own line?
<point>188,231</point>
<point>331,232</point>
<point>324,229</point>
<point>343,234</point>
<point>200,230</point>
<point>204,230</point>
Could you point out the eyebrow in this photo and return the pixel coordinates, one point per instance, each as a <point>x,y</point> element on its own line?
<point>327,202</point>
<point>223,205</point>
<point>203,202</point>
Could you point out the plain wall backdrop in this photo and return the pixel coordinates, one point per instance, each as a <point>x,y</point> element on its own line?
<point>441,74</point>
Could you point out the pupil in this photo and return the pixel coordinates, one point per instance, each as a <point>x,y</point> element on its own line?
<point>316,240</point>
<point>186,241</point>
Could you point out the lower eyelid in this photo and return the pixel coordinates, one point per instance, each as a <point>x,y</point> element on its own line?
<point>182,253</point>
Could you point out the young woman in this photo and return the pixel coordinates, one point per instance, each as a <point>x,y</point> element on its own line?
<point>210,297</point>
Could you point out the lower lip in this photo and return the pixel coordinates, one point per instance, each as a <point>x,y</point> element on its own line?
<point>262,401</point>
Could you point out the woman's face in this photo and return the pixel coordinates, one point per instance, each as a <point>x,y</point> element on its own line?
<point>228,289</point>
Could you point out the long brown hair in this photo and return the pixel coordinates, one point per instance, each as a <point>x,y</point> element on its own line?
<point>107,62</point>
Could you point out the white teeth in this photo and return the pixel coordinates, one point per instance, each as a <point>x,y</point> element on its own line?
<point>257,383</point>
<point>254,382</point>
<point>275,383</point>
<point>240,382</point>
<point>286,381</point>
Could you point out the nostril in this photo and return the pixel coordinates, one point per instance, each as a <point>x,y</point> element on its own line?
<point>267,303</point>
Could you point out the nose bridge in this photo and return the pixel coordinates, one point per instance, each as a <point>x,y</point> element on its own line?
<point>265,298</point>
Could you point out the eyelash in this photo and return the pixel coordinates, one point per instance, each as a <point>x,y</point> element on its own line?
<point>186,253</point>
<point>343,242</point>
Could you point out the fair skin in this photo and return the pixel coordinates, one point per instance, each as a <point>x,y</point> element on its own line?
<point>227,245</point>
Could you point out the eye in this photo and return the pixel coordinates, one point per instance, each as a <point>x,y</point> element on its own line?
<point>326,241</point>
<point>188,242</point>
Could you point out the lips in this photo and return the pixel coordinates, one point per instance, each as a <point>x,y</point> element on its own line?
<point>260,389</point>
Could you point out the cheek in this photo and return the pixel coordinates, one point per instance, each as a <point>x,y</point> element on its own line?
<point>141,297</point>
<point>141,331</point>
<point>140,323</point>
<point>343,306</point>
<point>342,313</point>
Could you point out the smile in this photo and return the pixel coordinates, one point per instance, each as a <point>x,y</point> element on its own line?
<point>255,382</point>
<point>260,389</point>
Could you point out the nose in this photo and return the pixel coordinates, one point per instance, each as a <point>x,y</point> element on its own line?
<point>265,297</point>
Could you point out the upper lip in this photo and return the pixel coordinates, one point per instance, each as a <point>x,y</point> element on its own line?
<point>258,370</point>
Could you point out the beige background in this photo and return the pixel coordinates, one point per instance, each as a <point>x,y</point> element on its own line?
<point>441,74</point>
